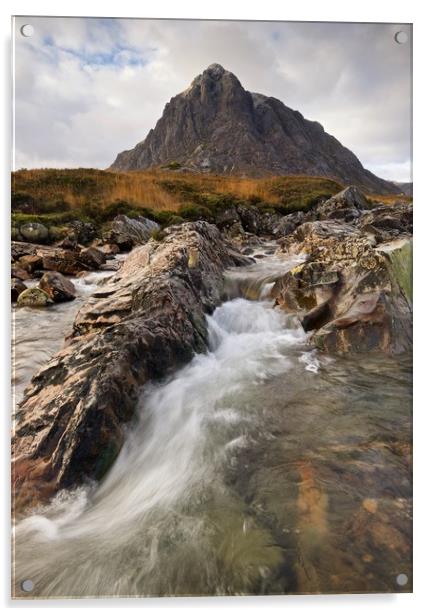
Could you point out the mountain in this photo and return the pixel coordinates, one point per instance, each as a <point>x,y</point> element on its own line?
<point>217,126</point>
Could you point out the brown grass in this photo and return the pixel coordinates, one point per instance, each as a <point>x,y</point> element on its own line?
<point>162,190</point>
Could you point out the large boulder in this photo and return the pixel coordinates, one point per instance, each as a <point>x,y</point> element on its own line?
<point>57,287</point>
<point>148,319</point>
<point>129,232</point>
<point>346,205</point>
<point>353,293</point>
<point>34,298</point>
<point>34,232</point>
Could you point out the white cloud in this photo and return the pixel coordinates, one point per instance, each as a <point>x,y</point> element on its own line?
<point>89,88</point>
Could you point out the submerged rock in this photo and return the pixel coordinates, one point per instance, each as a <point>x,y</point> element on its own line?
<point>148,319</point>
<point>57,287</point>
<point>34,298</point>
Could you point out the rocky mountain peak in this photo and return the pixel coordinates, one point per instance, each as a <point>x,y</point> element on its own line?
<point>216,70</point>
<point>217,126</point>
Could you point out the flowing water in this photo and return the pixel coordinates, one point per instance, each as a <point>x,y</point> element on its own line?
<point>260,467</point>
<point>38,333</point>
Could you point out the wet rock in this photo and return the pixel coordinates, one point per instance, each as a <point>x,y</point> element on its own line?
<point>68,244</point>
<point>65,262</point>
<point>109,250</point>
<point>249,217</point>
<point>92,257</point>
<point>19,249</point>
<point>316,317</point>
<point>20,273</point>
<point>147,319</point>
<point>110,266</point>
<point>54,258</point>
<point>34,232</point>
<point>81,232</point>
<point>399,254</point>
<point>226,217</point>
<point>287,224</point>
<point>350,200</point>
<point>30,263</point>
<point>257,221</point>
<point>17,287</point>
<point>388,222</point>
<point>38,273</point>
<point>57,287</point>
<point>34,298</point>
<point>129,232</point>
<point>354,293</point>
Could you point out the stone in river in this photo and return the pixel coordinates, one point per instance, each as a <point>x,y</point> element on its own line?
<point>57,287</point>
<point>92,257</point>
<point>34,298</point>
<point>30,263</point>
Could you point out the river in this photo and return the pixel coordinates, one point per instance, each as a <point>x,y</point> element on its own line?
<point>260,467</point>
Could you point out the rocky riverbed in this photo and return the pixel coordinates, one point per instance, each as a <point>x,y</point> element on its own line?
<point>293,313</point>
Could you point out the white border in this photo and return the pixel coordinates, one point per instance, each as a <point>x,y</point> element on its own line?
<point>315,10</point>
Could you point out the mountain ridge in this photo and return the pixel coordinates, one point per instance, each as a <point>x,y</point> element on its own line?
<point>217,126</point>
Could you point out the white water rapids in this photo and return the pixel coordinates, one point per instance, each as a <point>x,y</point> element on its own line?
<point>203,498</point>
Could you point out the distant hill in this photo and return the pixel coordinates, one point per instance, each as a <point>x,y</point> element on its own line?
<point>405,187</point>
<point>217,126</point>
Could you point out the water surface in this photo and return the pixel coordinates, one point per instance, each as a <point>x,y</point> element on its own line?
<point>260,467</point>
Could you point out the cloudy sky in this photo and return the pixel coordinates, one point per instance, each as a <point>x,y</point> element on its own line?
<point>86,89</point>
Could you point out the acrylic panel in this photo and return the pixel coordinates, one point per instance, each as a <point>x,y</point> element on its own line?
<point>211,295</point>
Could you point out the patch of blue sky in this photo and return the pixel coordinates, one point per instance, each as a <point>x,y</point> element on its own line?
<point>117,56</point>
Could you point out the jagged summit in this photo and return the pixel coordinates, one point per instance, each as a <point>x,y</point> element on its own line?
<point>217,126</point>
<point>216,70</point>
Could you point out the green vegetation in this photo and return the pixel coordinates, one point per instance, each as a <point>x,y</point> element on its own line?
<point>173,166</point>
<point>158,235</point>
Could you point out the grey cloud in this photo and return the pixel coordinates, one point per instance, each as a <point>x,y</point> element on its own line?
<point>82,96</point>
